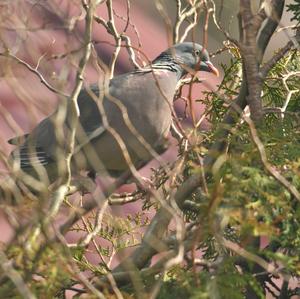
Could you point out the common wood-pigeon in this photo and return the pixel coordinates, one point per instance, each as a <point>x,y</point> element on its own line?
<point>141,98</point>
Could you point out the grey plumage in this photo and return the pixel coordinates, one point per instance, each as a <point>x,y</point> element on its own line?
<point>145,95</point>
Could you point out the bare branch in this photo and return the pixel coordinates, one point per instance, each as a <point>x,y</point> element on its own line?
<point>35,71</point>
<point>264,70</point>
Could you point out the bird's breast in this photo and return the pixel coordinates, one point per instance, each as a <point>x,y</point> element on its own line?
<point>147,109</point>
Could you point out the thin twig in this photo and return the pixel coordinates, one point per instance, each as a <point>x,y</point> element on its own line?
<point>35,71</point>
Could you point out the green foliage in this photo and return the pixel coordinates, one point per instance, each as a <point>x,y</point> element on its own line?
<point>115,235</point>
<point>223,282</point>
<point>247,201</point>
<point>50,268</point>
<point>216,103</point>
<point>295,8</point>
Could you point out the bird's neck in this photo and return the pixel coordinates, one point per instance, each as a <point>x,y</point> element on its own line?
<point>166,62</point>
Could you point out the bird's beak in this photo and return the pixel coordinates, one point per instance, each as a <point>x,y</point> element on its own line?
<point>212,68</point>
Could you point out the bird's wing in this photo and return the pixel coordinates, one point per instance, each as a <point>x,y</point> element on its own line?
<point>29,158</point>
<point>39,147</point>
<point>90,118</point>
<point>18,139</point>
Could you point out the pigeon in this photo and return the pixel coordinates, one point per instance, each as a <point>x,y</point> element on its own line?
<point>125,122</point>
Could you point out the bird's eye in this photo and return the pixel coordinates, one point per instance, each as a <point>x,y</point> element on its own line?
<point>197,52</point>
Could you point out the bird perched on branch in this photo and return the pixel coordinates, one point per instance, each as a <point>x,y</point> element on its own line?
<point>124,122</point>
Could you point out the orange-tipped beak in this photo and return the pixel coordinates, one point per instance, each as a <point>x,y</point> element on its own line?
<point>212,68</point>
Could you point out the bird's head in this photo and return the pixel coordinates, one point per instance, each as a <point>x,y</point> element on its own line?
<point>189,56</point>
